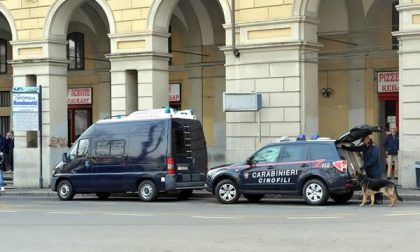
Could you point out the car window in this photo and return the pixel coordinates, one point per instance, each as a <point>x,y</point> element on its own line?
<point>293,153</point>
<point>268,154</point>
<point>83,148</point>
<point>321,151</point>
<point>73,151</point>
<point>110,148</point>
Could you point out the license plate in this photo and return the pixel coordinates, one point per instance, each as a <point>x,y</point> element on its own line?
<point>182,168</point>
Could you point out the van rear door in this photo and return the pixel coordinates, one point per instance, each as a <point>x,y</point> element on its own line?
<point>190,153</point>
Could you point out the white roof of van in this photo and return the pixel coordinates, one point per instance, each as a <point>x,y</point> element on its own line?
<point>154,114</point>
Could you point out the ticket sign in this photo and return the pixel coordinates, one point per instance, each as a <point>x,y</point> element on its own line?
<point>388,82</point>
<point>79,96</point>
<point>175,92</point>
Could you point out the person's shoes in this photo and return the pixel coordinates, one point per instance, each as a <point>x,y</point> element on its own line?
<point>389,178</point>
<point>396,178</point>
<point>379,202</point>
<point>2,189</point>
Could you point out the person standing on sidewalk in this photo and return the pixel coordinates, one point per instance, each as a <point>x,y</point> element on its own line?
<point>392,146</point>
<point>2,185</point>
<point>8,149</point>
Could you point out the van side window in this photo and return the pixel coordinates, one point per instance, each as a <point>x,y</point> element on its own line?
<point>83,149</point>
<point>73,152</point>
<point>110,148</point>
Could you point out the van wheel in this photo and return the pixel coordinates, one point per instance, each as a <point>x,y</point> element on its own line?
<point>184,194</point>
<point>147,191</point>
<point>103,195</point>
<point>342,198</point>
<point>65,190</point>
<point>227,192</point>
<point>315,192</point>
<point>254,198</point>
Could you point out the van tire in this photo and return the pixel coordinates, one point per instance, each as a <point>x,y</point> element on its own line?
<point>147,191</point>
<point>315,192</point>
<point>103,195</point>
<point>254,198</point>
<point>65,190</point>
<point>184,194</point>
<point>343,197</point>
<point>227,192</point>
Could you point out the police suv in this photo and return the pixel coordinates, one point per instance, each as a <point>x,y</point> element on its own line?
<point>314,169</point>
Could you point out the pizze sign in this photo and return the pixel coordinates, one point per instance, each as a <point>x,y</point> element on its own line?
<point>388,82</point>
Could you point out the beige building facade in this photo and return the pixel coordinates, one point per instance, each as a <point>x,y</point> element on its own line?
<point>315,62</point>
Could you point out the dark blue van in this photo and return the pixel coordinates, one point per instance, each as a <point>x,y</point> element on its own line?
<point>145,155</point>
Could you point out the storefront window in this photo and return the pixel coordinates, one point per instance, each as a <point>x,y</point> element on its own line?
<point>3,56</point>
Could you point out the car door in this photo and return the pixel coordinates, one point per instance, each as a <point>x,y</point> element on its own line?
<point>293,160</point>
<point>260,176</point>
<point>79,171</point>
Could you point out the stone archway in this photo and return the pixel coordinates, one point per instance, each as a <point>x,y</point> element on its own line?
<point>10,20</point>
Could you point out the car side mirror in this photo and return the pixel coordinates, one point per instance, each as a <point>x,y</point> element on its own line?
<point>65,158</point>
<point>249,161</point>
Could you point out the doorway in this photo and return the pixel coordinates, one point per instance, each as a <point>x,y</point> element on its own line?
<point>79,118</point>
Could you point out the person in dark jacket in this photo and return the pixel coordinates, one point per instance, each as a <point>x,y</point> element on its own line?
<point>8,149</point>
<point>371,161</point>
<point>392,146</point>
<point>2,148</point>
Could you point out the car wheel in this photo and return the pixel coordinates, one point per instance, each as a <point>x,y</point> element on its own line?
<point>65,190</point>
<point>342,198</point>
<point>103,195</point>
<point>254,198</point>
<point>315,192</point>
<point>227,192</point>
<point>147,191</point>
<point>184,194</point>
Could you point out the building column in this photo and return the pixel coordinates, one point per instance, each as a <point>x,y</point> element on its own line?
<point>357,91</point>
<point>146,54</point>
<point>409,88</point>
<point>52,76</point>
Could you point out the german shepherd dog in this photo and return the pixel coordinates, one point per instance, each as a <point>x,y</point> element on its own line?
<point>372,186</point>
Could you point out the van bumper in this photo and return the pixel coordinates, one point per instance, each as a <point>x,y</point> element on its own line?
<point>172,185</point>
<point>53,182</point>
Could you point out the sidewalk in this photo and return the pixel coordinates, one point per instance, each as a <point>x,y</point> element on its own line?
<point>406,194</point>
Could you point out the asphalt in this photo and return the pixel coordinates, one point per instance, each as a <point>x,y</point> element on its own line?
<point>406,194</point>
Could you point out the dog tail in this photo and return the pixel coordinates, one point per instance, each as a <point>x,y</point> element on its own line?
<point>398,196</point>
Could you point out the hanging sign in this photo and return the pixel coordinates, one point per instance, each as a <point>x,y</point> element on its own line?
<point>175,92</point>
<point>388,82</point>
<point>25,107</point>
<point>79,96</point>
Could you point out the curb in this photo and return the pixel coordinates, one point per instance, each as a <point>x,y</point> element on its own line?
<point>12,193</point>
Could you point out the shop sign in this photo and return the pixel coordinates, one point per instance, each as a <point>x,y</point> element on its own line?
<point>79,96</point>
<point>388,82</point>
<point>175,92</point>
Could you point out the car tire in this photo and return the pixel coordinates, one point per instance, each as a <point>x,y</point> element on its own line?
<point>315,192</point>
<point>184,194</point>
<point>227,192</point>
<point>342,198</point>
<point>65,190</point>
<point>147,191</point>
<point>254,198</point>
<point>103,195</point>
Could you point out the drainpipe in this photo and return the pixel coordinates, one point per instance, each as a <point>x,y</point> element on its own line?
<point>234,49</point>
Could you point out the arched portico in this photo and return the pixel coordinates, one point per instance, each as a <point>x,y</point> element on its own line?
<point>9,19</point>
<point>49,69</point>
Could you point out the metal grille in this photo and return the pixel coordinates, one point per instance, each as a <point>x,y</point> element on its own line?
<point>4,99</point>
<point>4,124</point>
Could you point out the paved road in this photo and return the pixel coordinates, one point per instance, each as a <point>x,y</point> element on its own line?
<point>204,225</point>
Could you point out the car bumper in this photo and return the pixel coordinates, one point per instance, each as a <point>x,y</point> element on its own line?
<point>53,183</point>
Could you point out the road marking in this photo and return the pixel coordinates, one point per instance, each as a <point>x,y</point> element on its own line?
<point>214,217</point>
<point>129,214</point>
<point>314,217</point>
<point>401,214</point>
<point>69,213</point>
